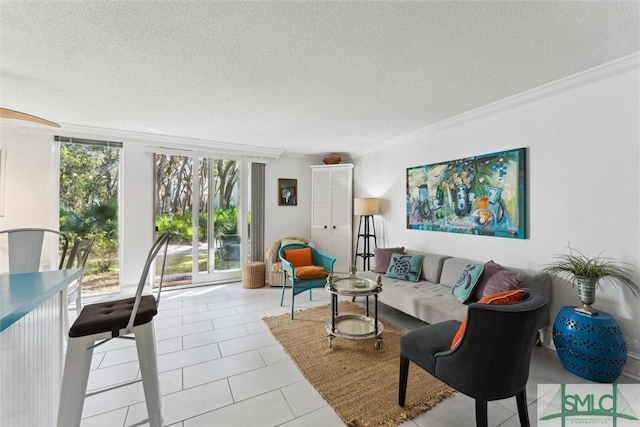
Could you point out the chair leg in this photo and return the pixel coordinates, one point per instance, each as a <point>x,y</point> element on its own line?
<point>481,413</point>
<point>293,296</point>
<point>404,375</point>
<point>146,345</point>
<point>79,299</point>
<point>74,381</point>
<point>523,412</point>
<point>284,286</point>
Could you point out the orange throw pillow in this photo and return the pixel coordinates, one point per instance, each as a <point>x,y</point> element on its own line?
<point>298,257</point>
<point>505,297</point>
<point>310,272</point>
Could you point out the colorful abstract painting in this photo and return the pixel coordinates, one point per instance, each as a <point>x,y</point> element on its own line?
<point>482,195</point>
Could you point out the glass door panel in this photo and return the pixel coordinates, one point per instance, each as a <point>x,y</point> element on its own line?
<point>218,207</point>
<point>197,199</point>
<point>173,186</point>
<point>89,181</point>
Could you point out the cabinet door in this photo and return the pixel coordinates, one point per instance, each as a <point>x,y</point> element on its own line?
<point>331,217</point>
<point>320,218</point>
<point>341,218</point>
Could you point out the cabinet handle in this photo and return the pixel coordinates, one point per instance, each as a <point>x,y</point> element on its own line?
<point>334,227</point>
<point>325,226</point>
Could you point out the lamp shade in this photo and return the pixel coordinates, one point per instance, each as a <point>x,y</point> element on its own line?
<point>366,206</point>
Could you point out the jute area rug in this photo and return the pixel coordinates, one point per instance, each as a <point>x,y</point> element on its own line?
<point>358,381</point>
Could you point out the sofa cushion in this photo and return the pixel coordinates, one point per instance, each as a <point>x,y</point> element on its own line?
<point>507,297</point>
<point>427,301</point>
<point>496,279</point>
<point>452,268</point>
<point>431,265</point>
<point>382,257</point>
<point>467,281</point>
<point>405,267</point>
<point>298,257</point>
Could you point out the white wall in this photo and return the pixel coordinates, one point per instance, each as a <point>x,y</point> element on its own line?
<point>136,203</point>
<point>582,183</point>
<point>28,187</point>
<point>29,190</point>
<point>285,221</point>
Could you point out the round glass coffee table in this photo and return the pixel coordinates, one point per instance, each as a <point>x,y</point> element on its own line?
<point>354,326</point>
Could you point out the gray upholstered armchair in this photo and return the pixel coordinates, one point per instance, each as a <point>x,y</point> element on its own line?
<point>273,265</point>
<point>491,360</point>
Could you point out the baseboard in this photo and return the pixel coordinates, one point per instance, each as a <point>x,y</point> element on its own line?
<point>632,367</point>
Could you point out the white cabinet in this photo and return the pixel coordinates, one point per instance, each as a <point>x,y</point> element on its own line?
<point>332,212</point>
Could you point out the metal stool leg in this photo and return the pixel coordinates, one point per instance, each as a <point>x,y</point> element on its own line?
<point>74,380</point>
<point>146,345</point>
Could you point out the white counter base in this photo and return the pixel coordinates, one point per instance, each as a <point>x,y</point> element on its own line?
<point>31,366</point>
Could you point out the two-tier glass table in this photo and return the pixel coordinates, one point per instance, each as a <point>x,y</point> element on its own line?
<point>354,326</point>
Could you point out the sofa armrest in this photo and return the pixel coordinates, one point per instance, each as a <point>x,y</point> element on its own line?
<point>270,258</point>
<point>271,254</point>
<point>274,278</point>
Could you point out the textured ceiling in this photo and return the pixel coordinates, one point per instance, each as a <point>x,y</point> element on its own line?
<point>304,77</point>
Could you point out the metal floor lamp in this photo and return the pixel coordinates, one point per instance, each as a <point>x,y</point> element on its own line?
<point>366,208</point>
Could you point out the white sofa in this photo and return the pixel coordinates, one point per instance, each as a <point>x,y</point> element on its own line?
<point>431,299</point>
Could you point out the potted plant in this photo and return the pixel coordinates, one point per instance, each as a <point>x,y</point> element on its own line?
<point>587,271</point>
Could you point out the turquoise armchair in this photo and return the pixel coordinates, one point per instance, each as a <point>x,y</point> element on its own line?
<point>305,272</point>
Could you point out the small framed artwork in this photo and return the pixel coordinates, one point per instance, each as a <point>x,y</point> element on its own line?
<point>287,192</point>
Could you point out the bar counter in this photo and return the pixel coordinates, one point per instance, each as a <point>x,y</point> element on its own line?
<point>31,345</point>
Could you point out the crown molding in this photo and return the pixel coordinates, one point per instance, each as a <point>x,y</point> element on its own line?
<point>608,70</point>
<point>153,140</point>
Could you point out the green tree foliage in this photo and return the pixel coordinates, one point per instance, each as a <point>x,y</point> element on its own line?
<point>173,183</point>
<point>88,198</point>
<point>174,178</point>
<point>88,175</point>
<point>226,180</point>
<point>225,222</point>
<point>89,194</point>
<point>174,195</point>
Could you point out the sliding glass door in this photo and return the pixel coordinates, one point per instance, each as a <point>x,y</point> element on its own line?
<point>202,201</point>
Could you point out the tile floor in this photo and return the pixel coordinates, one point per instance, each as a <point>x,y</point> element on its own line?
<point>220,366</point>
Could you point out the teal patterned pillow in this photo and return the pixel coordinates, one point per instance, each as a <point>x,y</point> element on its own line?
<point>405,267</point>
<point>467,281</point>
